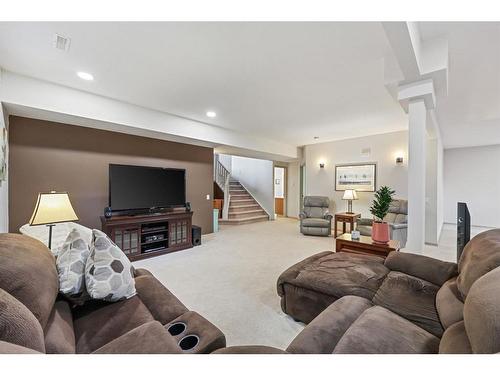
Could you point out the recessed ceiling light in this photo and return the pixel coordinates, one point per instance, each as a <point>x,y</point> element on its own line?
<point>211,114</point>
<point>85,76</point>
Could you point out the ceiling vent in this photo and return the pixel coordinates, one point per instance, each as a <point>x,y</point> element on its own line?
<point>61,42</point>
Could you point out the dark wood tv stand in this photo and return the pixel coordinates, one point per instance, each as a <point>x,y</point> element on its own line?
<point>149,235</point>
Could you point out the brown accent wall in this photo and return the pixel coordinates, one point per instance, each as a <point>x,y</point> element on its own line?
<point>46,156</point>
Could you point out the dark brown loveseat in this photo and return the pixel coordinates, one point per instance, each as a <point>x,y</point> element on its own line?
<point>396,319</point>
<point>34,318</point>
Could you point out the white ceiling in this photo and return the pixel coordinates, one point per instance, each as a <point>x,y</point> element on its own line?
<point>470,114</point>
<point>285,81</point>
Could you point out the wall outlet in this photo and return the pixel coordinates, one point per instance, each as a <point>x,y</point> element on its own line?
<point>208,197</point>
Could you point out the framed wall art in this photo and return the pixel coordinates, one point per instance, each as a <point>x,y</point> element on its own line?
<point>360,177</point>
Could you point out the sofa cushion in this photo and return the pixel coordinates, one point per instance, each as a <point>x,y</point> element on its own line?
<point>108,272</point>
<point>482,314</point>
<point>314,222</point>
<point>455,340</point>
<point>250,349</point>
<point>149,338</point>
<point>162,304</point>
<point>70,264</point>
<point>412,298</point>
<point>449,303</point>
<point>98,322</point>
<point>28,272</point>
<point>59,333</point>
<point>339,274</point>
<point>18,325</point>
<point>324,332</point>
<point>480,255</point>
<point>380,331</point>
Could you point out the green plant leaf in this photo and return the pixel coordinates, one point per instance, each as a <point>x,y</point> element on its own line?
<point>382,202</point>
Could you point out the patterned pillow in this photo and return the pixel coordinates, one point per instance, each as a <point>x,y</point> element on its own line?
<point>70,265</point>
<point>108,273</point>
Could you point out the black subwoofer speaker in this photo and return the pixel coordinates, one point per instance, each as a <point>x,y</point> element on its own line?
<point>196,235</point>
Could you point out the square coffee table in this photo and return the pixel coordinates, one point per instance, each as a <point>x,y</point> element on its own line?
<point>365,245</point>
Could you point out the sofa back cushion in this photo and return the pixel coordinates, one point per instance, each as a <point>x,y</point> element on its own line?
<point>18,325</point>
<point>398,212</point>
<point>482,314</point>
<point>480,255</point>
<point>28,272</point>
<point>315,206</point>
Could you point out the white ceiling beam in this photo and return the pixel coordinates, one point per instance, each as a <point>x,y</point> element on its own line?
<point>31,97</point>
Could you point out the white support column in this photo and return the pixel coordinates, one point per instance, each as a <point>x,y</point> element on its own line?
<point>416,98</point>
<point>417,114</point>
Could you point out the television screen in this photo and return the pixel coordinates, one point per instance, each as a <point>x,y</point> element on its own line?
<point>135,188</point>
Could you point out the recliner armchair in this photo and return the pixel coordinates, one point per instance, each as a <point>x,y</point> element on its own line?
<point>315,219</point>
<point>397,218</point>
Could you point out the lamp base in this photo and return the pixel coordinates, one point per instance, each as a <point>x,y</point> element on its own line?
<point>349,207</point>
<point>50,235</point>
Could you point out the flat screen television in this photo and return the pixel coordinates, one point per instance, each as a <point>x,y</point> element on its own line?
<point>135,188</point>
<point>463,228</point>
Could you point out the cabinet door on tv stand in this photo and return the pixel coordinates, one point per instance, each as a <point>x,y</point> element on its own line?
<point>127,239</point>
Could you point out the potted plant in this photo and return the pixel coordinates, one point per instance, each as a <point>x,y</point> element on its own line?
<point>379,208</point>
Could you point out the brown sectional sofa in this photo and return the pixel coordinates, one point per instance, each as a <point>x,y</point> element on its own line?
<point>35,318</point>
<point>420,307</point>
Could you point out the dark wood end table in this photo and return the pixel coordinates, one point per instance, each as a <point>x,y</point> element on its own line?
<point>344,218</point>
<point>365,245</point>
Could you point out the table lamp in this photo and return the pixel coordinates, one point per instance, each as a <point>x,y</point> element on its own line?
<point>52,208</point>
<point>349,196</point>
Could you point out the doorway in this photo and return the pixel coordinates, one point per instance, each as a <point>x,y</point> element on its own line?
<point>280,191</point>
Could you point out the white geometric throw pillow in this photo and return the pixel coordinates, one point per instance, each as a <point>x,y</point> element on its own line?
<point>108,272</point>
<point>70,264</point>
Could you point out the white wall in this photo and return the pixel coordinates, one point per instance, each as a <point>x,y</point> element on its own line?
<point>4,192</point>
<point>293,192</point>
<point>384,148</point>
<point>431,225</point>
<point>472,175</point>
<point>440,188</point>
<point>257,177</point>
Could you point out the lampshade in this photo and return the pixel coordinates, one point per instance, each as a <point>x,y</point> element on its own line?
<point>350,194</point>
<point>53,208</point>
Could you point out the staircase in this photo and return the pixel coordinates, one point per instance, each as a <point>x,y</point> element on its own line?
<point>243,209</point>
<point>239,205</point>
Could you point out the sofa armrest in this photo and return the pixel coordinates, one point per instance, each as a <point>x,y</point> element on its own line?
<point>161,302</point>
<point>397,226</point>
<point>149,338</point>
<point>302,215</point>
<point>430,269</point>
<point>366,222</point>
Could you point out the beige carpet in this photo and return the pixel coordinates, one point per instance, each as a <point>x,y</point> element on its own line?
<point>231,278</point>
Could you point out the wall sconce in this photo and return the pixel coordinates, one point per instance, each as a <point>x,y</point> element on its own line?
<point>399,158</point>
<point>322,164</point>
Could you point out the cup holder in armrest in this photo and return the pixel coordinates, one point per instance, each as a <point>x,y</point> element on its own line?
<point>177,328</point>
<point>189,342</point>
